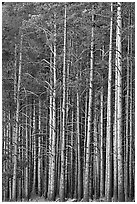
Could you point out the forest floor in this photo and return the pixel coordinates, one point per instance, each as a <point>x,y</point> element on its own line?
<point>36,198</point>
<point>42,199</point>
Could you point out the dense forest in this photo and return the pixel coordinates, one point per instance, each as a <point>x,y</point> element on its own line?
<point>68,101</point>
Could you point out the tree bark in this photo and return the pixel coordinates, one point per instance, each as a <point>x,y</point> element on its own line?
<point>108,187</point>
<point>89,119</point>
<point>15,140</point>
<point>51,191</point>
<point>121,196</point>
<point>62,177</point>
<point>102,177</point>
<point>127,127</point>
<point>34,149</point>
<point>39,149</point>
<point>131,159</point>
<point>27,155</point>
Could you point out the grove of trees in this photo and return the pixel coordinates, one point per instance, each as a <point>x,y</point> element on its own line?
<point>68,102</point>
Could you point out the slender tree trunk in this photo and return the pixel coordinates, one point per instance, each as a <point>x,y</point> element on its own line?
<point>50,126</point>
<point>119,110</point>
<point>15,140</point>
<point>89,117</point>
<point>67,133</point>
<point>96,157</point>
<point>46,157</point>
<point>72,155</point>
<point>30,146</point>
<point>39,149</point>
<point>115,137</point>
<point>62,178</point>
<point>127,129</point>
<point>108,189</point>
<point>27,155</point>
<point>51,192</point>
<point>15,73</point>
<point>131,160</point>
<point>102,177</point>
<point>79,147</point>
<point>34,149</point>
<point>85,124</point>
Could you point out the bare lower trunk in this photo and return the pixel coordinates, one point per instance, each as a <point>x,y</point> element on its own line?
<point>15,140</point>
<point>62,177</point>
<point>108,186</point>
<point>102,177</point>
<point>119,110</point>
<point>39,150</point>
<point>27,155</point>
<point>89,117</point>
<point>34,149</point>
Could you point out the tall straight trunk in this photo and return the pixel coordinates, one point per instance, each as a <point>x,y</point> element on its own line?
<point>51,191</point>
<point>27,155</point>
<point>30,143</point>
<point>76,168</point>
<point>39,149</point>
<point>119,108</point>
<point>131,180</point>
<point>22,157</point>
<point>79,146</point>
<point>108,187</point>
<point>115,137</point>
<point>67,133</point>
<point>85,125</point>
<point>10,155</point>
<point>34,149</point>
<point>60,139</point>
<point>20,160</point>
<point>46,157</point>
<point>15,72</point>
<point>15,139</point>
<point>127,127</point>
<point>62,177</point>
<point>72,154</point>
<point>96,157</point>
<point>89,119</point>
<point>50,125</point>
<point>3,151</point>
<point>102,177</point>
<point>5,165</point>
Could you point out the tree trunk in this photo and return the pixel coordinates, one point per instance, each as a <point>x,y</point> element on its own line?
<point>51,191</point>
<point>39,149</point>
<point>131,159</point>
<point>79,147</point>
<point>89,119</point>
<point>50,126</point>
<point>96,157</point>
<point>72,154</point>
<point>102,177</point>
<point>119,108</point>
<point>34,149</point>
<point>127,128</point>
<point>108,189</point>
<point>15,139</point>
<point>27,155</point>
<point>62,177</point>
<point>115,137</point>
